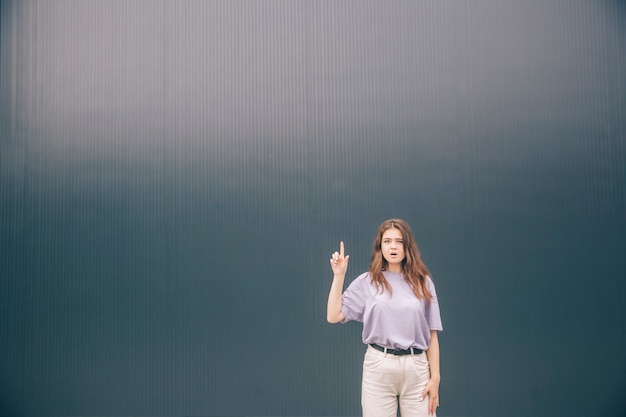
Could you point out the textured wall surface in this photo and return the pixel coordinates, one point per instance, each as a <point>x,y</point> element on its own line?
<point>174,176</point>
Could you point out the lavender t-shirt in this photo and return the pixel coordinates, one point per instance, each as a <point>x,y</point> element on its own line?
<point>396,321</point>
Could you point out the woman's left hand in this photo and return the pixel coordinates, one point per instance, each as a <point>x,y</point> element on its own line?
<point>432,391</point>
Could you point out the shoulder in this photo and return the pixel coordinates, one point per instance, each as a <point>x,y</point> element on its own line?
<point>361,281</point>
<point>429,282</point>
<point>364,278</point>
<point>430,285</point>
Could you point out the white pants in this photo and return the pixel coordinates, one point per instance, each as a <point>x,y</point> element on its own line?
<point>389,380</point>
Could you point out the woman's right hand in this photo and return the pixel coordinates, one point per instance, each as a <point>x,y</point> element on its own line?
<point>339,264</point>
<point>339,261</point>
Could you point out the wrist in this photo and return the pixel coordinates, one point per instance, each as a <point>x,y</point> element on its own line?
<point>435,378</point>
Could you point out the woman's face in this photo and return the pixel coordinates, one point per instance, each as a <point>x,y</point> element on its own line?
<point>392,247</point>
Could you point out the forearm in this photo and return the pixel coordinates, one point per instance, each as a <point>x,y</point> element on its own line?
<point>333,312</point>
<point>433,357</point>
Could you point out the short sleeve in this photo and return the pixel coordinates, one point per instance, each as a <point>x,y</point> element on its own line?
<point>354,299</point>
<point>433,317</point>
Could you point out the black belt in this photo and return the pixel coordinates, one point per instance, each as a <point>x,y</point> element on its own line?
<point>408,351</point>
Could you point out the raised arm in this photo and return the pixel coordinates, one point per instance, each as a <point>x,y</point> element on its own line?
<point>339,265</point>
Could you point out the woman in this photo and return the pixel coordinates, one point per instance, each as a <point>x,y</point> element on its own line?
<point>397,304</point>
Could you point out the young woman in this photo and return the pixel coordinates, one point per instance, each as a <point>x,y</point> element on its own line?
<point>397,304</point>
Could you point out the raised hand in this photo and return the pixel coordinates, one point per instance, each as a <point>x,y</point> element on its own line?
<point>339,261</point>
<point>339,264</point>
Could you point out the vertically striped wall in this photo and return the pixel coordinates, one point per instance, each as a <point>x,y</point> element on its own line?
<point>175,174</point>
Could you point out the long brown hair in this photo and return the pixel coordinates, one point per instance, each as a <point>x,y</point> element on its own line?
<point>413,269</point>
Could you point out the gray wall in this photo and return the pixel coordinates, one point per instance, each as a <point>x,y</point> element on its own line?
<point>174,176</point>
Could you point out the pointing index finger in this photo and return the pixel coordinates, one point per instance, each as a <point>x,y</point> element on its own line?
<point>341,249</point>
